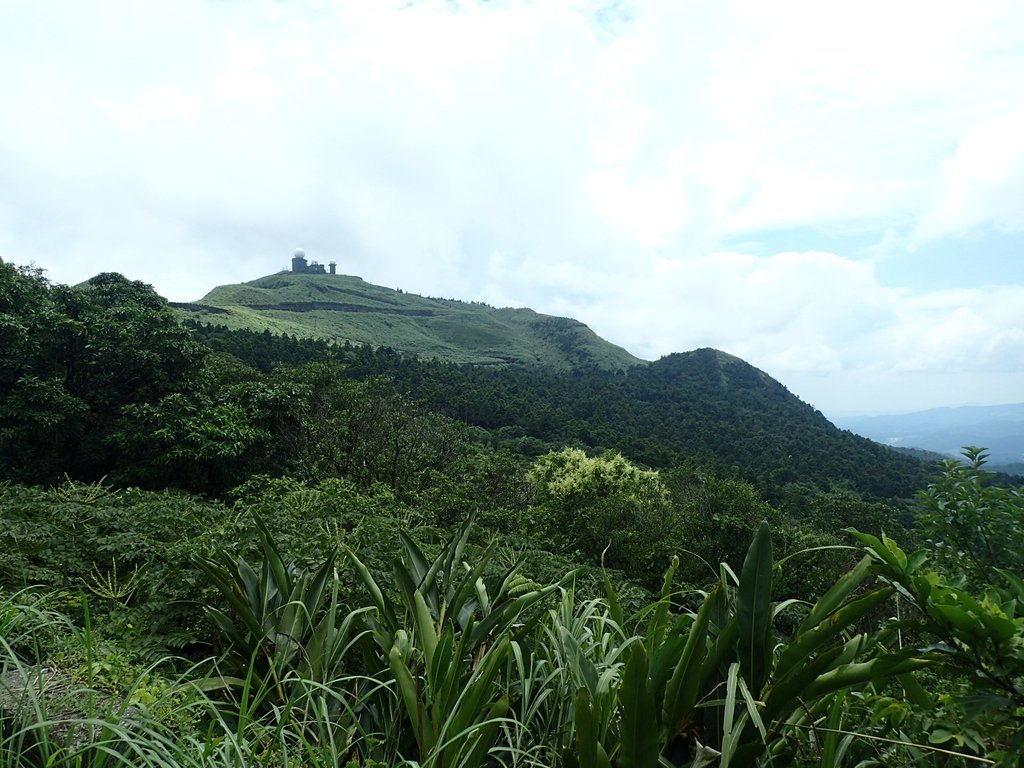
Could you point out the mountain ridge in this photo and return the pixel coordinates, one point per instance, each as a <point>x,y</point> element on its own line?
<point>552,381</point>
<point>345,308</point>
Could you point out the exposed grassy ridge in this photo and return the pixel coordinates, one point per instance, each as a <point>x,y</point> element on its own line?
<point>345,308</point>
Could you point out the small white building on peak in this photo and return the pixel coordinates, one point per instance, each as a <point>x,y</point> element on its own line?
<point>301,267</point>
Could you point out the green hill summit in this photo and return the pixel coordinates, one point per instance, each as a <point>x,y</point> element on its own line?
<point>309,302</point>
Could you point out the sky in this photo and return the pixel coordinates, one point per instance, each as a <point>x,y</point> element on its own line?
<point>832,191</point>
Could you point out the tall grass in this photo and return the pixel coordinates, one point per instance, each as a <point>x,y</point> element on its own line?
<point>51,716</point>
<point>460,674</point>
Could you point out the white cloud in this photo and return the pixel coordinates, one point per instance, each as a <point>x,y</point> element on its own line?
<point>544,154</point>
<point>816,321</point>
<point>983,182</point>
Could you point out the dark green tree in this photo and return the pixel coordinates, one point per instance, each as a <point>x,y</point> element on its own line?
<point>72,359</point>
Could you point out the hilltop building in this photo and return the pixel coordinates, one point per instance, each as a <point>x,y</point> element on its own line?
<point>301,267</point>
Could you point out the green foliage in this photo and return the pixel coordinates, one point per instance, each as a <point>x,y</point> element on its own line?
<point>230,426</point>
<point>972,607</point>
<point>973,526</point>
<point>432,641</point>
<point>453,660</point>
<point>604,508</point>
<point>130,549</point>
<point>700,407</point>
<point>284,624</point>
<point>72,359</point>
<point>717,680</point>
<point>447,644</point>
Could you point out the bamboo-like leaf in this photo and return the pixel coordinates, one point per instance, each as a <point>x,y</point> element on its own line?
<point>219,683</point>
<point>612,598</point>
<point>449,559</point>
<point>638,716</point>
<point>586,730</point>
<point>876,670</point>
<point>914,693</point>
<point>222,580</point>
<point>467,584</point>
<point>248,584</point>
<point>681,691</point>
<point>406,583</point>
<point>446,673</point>
<point>479,690</point>
<point>836,594</point>
<point>505,582</point>
<point>425,737</point>
<point>584,667</point>
<point>753,712</point>
<point>314,592</point>
<point>230,630</point>
<point>324,647</point>
<point>882,553</point>
<point>732,726</point>
<point>384,608</point>
<point>665,658</point>
<point>789,691</point>
<point>272,557</point>
<point>658,625</point>
<point>754,610</point>
<point>485,733</point>
<point>503,616</point>
<point>414,557</point>
<point>425,629</point>
<point>482,598</point>
<point>814,638</point>
<point>723,647</point>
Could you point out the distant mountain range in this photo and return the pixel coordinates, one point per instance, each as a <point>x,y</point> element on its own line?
<point>344,308</point>
<point>1000,428</point>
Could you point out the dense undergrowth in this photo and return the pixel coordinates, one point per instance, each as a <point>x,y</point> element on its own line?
<point>208,564</point>
<point>326,626</point>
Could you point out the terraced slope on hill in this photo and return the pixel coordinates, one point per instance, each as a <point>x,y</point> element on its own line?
<point>345,308</point>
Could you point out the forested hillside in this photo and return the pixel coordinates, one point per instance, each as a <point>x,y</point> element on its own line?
<point>231,548</point>
<point>702,408</point>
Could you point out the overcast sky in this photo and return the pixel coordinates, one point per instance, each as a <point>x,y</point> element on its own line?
<point>832,191</point>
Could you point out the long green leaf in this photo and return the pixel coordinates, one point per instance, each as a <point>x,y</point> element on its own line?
<point>876,670</point>
<point>754,610</point>
<point>483,736</point>
<point>732,726</point>
<point>415,558</point>
<point>386,613</point>
<point>466,588</point>
<point>836,594</point>
<point>425,737</point>
<point>658,625</point>
<point>586,730</point>
<point>813,639</point>
<point>313,596</point>
<point>638,716</point>
<point>425,629</point>
<point>272,557</point>
<point>681,691</point>
<point>222,580</point>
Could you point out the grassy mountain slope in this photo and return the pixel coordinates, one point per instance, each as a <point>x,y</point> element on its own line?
<point>344,308</point>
